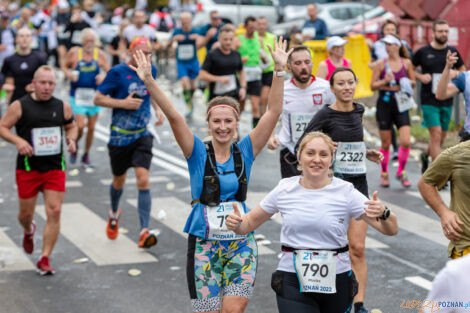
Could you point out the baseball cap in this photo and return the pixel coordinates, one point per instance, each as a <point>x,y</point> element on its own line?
<point>335,41</point>
<point>141,40</point>
<point>390,39</point>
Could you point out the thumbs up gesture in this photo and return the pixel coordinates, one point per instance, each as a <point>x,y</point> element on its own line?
<point>234,220</point>
<point>375,208</point>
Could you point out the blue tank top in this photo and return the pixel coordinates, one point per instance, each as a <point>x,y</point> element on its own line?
<point>88,72</point>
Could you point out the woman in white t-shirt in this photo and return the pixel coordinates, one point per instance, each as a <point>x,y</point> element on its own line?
<point>314,274</point>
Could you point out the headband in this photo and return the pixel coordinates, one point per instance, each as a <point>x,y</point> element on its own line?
<point>139,41</point>
<point>222,106</point>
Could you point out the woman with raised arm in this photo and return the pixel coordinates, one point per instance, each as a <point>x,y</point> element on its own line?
<point>314,274</point>
<point>220,262</point>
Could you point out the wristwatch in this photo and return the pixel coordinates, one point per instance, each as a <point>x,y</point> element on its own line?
<point>386,214</point>
<point>279,74</point>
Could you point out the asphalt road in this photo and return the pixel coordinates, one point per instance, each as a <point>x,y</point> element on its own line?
<point>92,272</point>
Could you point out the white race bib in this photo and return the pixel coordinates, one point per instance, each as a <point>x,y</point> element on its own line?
<point>309,31</point>
<point>221,88</point>
<point>436,77</point>
<point>84,97</point>
<point>405,102</point>
<point>76,37</point>
<point>215,221</point>
<point>252,73</point>
<point>298,124</point>
<point>316,270</point>
<point>46,140</point>
<point>351,158</point>
<point>185,52</point>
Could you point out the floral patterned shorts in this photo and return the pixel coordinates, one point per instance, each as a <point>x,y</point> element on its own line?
<point>220,268</point>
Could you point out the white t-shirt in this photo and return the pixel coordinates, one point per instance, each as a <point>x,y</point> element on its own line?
<point>297,100</point>
<point>314,219</point>
<point>131,31</point>
<point>451,287</point>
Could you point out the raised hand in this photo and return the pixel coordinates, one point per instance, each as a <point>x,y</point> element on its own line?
<point>234,220</point>
<point>280,55</point>
<point>144,67</point>
<point>451,58</point>
<point>375,208</point>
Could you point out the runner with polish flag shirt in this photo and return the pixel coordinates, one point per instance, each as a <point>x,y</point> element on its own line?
<point>304,96</point>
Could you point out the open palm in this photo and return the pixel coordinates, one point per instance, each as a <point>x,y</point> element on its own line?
<point>280,55</point>
<point>144,67</point>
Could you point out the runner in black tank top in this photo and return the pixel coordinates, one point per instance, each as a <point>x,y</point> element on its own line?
<point>40,121</point>
<point>342,121</point>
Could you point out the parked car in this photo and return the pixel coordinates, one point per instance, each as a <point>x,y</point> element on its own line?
<point>231,12</point>
<point>339,17</point>
<point>373,24</point>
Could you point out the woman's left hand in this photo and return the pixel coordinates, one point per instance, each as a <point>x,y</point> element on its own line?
<point>280,55</point>
<point>374,156</point>
<point>374,208</point>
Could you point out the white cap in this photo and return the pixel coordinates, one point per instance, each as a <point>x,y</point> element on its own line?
<point>63,4</point>
<point>13,6</point>
<point>390,39</point>
<point>335,41</point>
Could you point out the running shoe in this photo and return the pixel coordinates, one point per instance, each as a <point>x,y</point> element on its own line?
<point>28,239</point>
<point>403,178</point>
<point>112,229</point>
<point>424,162</point>
<point>189,113</point>
<point>43,267</point>
<point>73,157</point>
<point>86,161</point>
<point>395,155</point>
<point>147,240</point>
<point>384,180</point>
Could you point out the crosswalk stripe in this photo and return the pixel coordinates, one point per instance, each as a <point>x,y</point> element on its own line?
<point>445,195</point>
<point>176,212</point>
<point>156,152</point>
<point>12,258</point>
<point>418,224</point>
<point>133,180</point>
<point>161,163</point>
<point>254,198</point>
<point>420,281</point>
<point>86,231</point>
<point>73,183</point>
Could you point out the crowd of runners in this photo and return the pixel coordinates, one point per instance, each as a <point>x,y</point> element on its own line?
<point>323,195</point>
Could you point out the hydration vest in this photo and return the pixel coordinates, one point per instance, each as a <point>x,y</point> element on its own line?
<point>211,185</point>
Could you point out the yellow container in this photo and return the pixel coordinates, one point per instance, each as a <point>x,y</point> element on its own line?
<point>357,51</point>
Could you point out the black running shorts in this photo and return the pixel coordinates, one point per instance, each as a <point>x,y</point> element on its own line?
<point>137,154</point>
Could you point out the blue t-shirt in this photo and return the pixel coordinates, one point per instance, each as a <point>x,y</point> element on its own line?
<point>459,82</point>
<point>321,31</point>
<point>462,85</point>
<point>203,32</point>
<point>120,82</point>
<point>196,223</point>
<point>186,51</point>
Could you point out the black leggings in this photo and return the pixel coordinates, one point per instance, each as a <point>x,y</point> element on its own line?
<point>290,299</point>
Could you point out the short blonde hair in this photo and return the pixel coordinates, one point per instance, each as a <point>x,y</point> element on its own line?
<point>43,68</point>
<point>89,31</point>
<point>309,137</point>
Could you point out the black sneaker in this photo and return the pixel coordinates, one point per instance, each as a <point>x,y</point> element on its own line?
<point>424,162</point>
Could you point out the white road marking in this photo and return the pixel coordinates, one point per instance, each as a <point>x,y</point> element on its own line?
<point>445,195</point>
<point>173,168</point>
<point>87,231</point>
<point>133,180</point>
<point>420,282</point>
<point>419,224</point>
<point>177,212</point>
<point>12,257</point>
<point>73,183</point>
